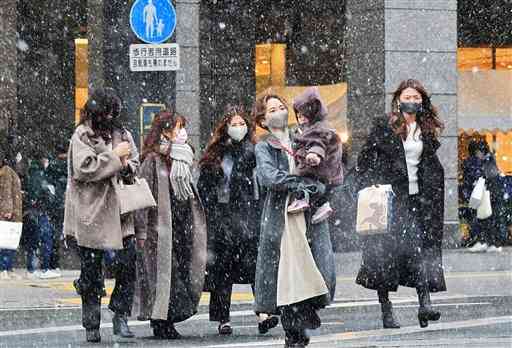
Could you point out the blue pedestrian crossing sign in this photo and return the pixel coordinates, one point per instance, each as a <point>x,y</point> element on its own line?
<point>153,21</point>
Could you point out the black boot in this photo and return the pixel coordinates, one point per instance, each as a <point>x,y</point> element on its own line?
<point>388,319</point>
<point>163,330</point>
<point>93,335</point>
<point>120,326</point>
<point>296,339</point>
<point>425,312</point>
<point>267,324</point>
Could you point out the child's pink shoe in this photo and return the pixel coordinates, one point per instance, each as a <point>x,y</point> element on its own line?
<point>298,206</point>
<point>322,213</point>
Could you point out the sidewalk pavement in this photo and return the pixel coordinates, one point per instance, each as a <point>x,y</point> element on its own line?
<point>465,272</point>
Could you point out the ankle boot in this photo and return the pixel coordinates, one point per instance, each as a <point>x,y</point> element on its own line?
<point>93,335</point>
<point>388,318</point>
<point>120,326</point>
<point>425,312</point>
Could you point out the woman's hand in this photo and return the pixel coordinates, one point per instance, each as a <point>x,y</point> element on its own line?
<point>140,243</point>
<point>313,159</point>
<point>123,150</point>
<point>7,216</point>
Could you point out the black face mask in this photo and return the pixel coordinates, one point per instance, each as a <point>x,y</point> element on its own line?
<point>104,124</point>
<point>411,107</point>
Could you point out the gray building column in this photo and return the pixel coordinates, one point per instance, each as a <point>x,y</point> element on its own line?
<point>8,70</point>
<point>187,78</point>
<point>392,40</point>
<point>95,36</point>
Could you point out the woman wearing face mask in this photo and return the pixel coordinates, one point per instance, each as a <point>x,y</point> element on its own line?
<point>295,273</point>
<point>173,259</point>
<point>101,152</point>
<point>229,193</point>
<point>401,151</point>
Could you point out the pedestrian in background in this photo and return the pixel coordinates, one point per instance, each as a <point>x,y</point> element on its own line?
<point>472,169</point>
<point>101,153</point>
<point>401,151</point>
<point>490,232</point>
<point>41,196</point>
<point>288,240</point>
<point>173,258</point>
<point>10,209</point>
<point>229,192</point>
<point>57,176</point>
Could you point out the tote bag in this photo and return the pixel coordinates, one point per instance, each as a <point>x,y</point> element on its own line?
<point>134,196</point>
<point>374,210</point>
<point>477,194</point>
<point>484,210</point>
<point>10,234</point>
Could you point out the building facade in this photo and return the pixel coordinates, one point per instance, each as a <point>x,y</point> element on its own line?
<point>231,51</point>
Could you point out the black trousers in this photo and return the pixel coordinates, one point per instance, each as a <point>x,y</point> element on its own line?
<point>91,286</point>
<point>297,318</point>
<point>220,303</point>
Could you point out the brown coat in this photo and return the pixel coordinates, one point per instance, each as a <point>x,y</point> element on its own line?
<point>323,141</point>
<point>92,213</point>
<point>171,272</point>
<point>10,194</point>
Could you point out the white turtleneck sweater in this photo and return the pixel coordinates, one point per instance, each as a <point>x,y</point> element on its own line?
<point>413,147</point>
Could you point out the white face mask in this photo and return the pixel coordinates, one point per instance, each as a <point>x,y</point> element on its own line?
<point>165,145</point>
<point>277,119</point>
<point>181,137</point>
<point>237,133</point>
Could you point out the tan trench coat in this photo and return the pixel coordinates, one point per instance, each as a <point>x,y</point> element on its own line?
<point>92,213</point>
<point>10,193</point>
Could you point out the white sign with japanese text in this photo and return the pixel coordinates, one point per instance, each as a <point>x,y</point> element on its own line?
<point>161,57</point>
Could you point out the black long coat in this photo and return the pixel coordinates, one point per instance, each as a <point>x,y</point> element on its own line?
<point>382,161</point>
<point>232,216</point>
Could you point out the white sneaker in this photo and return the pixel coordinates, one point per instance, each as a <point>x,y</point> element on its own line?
<point>478,248</point>
<point>493,248</point>
<point>4,275</point>
<point>31,275</point>
<point>57,272</point>
<point>49,274</point>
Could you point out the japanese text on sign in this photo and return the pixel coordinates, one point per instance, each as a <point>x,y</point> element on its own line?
<point>162,57</point>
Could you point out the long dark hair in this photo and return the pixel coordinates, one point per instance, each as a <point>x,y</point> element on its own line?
<point>429,122</point>
<point>101,103</point>
<point>218,143</point>
<point>165,119</point>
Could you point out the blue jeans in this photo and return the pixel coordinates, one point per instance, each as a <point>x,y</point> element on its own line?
<point>40,233</point>
<point>7,259</point>
<point>46,232</point>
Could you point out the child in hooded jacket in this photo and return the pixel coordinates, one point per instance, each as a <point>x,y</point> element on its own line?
<point>318,153</point>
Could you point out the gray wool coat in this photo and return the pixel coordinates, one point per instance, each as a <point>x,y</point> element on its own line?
<point>170,273</point>
<point>92,214</point>
<point>276,183</point>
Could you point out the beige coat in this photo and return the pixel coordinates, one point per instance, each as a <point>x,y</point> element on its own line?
<point>92,213</point>
<point>298,276</point>
<point>10,193</point>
